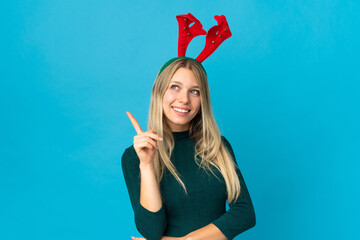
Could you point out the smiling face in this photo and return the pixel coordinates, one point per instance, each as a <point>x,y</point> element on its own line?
<point>181,101</point>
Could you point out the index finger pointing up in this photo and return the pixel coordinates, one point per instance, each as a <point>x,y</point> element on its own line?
<point>134,123</point>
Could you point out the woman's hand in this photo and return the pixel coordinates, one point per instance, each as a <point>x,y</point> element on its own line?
<point>145,143</point>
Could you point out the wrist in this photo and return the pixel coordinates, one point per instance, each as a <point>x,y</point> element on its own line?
<point>146,166</point>
<point>188,237</point>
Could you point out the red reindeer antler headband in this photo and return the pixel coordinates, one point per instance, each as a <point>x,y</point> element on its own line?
<point>216,35</point>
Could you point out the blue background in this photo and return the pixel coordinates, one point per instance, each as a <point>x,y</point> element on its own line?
<point>284,90</point>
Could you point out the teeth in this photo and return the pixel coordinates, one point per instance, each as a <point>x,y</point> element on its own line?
<point>180,110</point>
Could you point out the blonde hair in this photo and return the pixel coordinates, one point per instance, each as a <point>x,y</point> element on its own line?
<point>203,129</point>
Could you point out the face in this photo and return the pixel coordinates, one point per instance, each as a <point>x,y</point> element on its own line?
<point>181,101</point>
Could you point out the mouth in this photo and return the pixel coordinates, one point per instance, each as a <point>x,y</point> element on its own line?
<point>181,111</point>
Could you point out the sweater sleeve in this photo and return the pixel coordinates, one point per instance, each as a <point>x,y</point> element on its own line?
<point>150,225</point>
<point>241,214</point>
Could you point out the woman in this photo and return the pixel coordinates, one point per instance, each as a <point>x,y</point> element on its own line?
<point>181,172</point>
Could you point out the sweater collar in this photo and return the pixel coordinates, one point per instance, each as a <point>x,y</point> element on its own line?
<point>181,135</point>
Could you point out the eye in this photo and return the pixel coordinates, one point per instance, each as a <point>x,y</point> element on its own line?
<point>174,86</point>
<point>197,92</point>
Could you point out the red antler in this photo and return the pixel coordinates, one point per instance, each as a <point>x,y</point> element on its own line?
<point>186,33</point>
<point>216,35</point>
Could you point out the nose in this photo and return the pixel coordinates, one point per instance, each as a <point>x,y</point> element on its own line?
<point>183,98</point>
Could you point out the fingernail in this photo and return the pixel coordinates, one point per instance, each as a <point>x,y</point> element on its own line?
<point>160,138</point>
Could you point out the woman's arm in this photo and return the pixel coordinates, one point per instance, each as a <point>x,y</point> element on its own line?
<point>150,197</point>
<point>241,214</point>
<point>209,232</point>
<point>143,189</point>
<point>150,220</point>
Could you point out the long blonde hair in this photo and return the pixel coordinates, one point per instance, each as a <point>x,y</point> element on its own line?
<point>203,129</point>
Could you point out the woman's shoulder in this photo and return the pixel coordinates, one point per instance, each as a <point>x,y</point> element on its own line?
<point>129,157</point>
<point>228,145</point>
<point>225,141</point>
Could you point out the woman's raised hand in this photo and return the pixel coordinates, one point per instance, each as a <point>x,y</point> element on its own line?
<point>145,143</point>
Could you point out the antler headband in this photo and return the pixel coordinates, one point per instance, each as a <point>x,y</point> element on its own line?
<point>215,36</point>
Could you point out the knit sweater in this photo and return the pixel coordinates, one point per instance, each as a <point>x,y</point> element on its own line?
<point>205,203</point>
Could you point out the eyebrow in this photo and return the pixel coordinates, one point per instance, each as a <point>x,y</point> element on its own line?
<point>181,84</point>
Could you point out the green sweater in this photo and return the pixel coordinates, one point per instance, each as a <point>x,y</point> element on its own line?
<point>204,204</point>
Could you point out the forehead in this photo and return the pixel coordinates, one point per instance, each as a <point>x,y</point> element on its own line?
<point>185,77</point>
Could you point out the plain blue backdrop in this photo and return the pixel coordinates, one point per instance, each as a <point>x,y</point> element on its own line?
<point>284,90</point>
